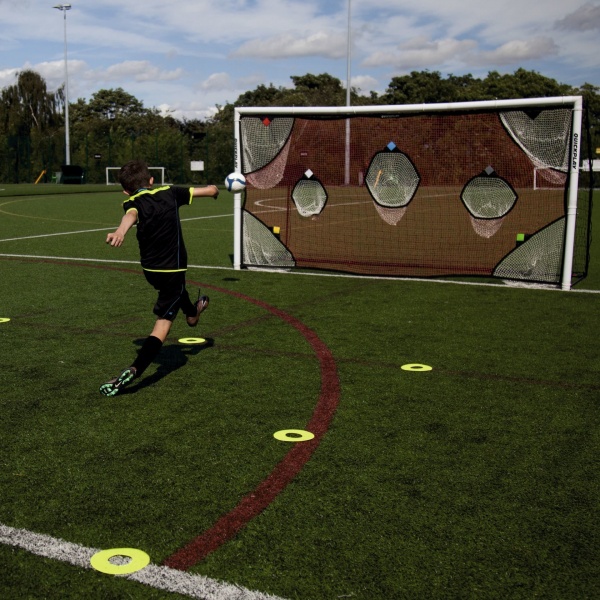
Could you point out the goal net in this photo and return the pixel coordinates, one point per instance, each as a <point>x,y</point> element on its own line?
<point>415,191</point>
<point>545,178</point>
<point>112,175</point>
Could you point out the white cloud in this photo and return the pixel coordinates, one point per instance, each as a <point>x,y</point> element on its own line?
<point>364,84</point>
<point>421,53</point>
<point>165,110</point>
<point>136,70</point>
<point>516,52</point>
<point>53,72</point>
<point>8,77</point>
<point>217,82</point>
<point>195,54</point>
<point>585,18</point>
<point>188,110</point>
<point>321,43</point>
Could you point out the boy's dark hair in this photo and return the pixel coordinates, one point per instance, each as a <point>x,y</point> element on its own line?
<point>134,175</point>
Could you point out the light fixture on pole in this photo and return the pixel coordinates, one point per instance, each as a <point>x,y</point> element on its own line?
<point>65,8</point>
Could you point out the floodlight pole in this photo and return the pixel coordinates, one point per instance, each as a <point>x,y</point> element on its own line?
<point>348,53</point>
<point>348,61</point>
<point>65,8</point>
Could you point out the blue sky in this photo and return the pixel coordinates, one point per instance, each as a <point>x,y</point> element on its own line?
<point>187,56</point>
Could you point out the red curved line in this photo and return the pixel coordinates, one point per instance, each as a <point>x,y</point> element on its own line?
<point>284,472</point>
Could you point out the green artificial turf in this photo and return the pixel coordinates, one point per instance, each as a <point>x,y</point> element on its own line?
<point>476,479</point>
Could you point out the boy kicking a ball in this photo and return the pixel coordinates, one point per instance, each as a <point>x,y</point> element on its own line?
<point>162,255</point>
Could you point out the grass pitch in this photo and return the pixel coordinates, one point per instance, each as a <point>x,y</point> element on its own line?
<point>477,479</point>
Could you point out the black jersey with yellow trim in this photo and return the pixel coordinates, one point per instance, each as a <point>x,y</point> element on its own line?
<point>158,226</point>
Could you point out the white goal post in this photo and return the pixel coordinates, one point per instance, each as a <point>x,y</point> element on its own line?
<point>295,159</point>
<point>157,172</point>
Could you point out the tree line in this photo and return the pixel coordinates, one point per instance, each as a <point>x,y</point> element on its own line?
<point>113,126</point>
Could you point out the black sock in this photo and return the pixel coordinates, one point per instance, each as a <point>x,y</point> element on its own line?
<point>150,348</point>
<point>188,308</point>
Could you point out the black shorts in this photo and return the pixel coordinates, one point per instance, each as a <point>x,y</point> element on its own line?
<point>172,295</point>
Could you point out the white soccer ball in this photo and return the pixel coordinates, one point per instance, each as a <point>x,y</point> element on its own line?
<point>235,182</point>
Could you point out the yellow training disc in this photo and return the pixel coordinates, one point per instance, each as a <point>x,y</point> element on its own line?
<point>101,561</point>
<point>192,341</point>
<point>293,435</point>
<point>4,319</point>
<point>416,367</point>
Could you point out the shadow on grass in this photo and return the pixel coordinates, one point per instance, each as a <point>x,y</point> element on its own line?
<point>170,358</point>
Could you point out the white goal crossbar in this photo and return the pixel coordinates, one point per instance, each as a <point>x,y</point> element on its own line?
<point>249,160</point>
<point>113,180</point>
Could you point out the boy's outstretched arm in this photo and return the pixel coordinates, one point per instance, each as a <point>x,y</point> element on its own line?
<point>209,191</point>
<point>127,222</point>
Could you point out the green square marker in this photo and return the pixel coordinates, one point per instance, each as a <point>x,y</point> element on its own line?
<point>520,237</point>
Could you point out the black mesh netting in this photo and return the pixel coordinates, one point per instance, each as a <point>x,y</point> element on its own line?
<point>420,195</point>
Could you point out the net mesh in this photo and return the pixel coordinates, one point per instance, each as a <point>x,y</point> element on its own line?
<point>545,177</point>
<point>543,135</point>
<point>262,247</point>
<point>268,138</point>
<point>537,259</point>
<point>392,179</point>
<point>309,196</point>
<point>412,195</point>
<point>488,197</point>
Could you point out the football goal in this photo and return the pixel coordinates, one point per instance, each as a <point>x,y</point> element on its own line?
<point>112,175</point>
<point>415,190</point>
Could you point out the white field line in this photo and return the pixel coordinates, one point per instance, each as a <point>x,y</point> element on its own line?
<point>265,203</point>
<point>102,260</point>
<point>45,235</point>
<point>347,275</point>
<point>159,577</point>
<point>507,286</point>
<point>313,274</point>
<point>209,217</point>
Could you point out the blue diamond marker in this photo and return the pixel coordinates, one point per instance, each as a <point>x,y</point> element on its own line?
<point>391,146</point>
